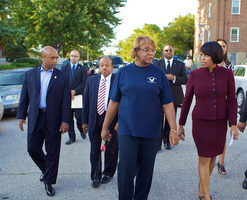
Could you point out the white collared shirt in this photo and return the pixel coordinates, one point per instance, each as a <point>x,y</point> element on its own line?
<point>71,65</point>
<point>171,61</point>
<point>108,84</point>
<point>45,77</point>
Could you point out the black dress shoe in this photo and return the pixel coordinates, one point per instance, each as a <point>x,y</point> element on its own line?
<point>49,190</point>
<point>95,183</point>
<point>245,184</point>
<point>70,141</point>
<point>245,181</point>
<point>105,179</point>
<point>168,145</point>
<point>159,148</point>
<point>83,135</point>
<point>42,177</point>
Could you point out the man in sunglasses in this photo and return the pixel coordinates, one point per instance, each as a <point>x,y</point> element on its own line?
<point>176,74</point>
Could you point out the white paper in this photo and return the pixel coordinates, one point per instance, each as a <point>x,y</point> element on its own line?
<point>231,141</point>
<point>77,102</point>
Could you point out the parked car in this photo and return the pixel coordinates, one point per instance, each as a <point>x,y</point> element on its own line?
<point>1,110</point>
<point>58,66</point>
<point>117,63</point>
<point>240,77</point>
<point>90,67</point>
<point>10,88</point>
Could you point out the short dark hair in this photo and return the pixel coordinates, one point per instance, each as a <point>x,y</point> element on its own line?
<point>214,50</point>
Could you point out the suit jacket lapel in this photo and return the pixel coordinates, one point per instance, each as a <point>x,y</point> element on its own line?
<point>76,72</point>
<point>37,77</point>
<point>174,63</point>
<point>53,78</point>
<point>164,66</point>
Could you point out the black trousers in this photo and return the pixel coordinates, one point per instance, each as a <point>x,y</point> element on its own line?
<point>47,163</point>
<point>111,153</point>
<point>77,114</point>
<point>136,159</point>
<point>165,132</point>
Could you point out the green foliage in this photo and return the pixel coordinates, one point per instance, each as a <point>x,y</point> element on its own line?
<point>32,61</point>
<point>66,24</point>
<point>151,30</point>
<point>179,33</point>
<point>16,65</point>
<point>12,36</point>
<point>15,52</point>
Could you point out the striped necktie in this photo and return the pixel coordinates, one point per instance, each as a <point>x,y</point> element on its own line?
<point>101,97</point>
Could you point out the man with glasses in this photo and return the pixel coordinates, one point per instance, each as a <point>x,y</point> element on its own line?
<point>176,74</point>
<point>78,77</point>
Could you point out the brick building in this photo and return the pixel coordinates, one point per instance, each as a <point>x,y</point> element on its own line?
<point>224,19</point>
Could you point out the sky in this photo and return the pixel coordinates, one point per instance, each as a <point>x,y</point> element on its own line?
<point>136,13</point>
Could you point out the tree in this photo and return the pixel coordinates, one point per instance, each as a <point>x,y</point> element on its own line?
<point>11,35</point>
<point>151,30</point>
<point>66,24</point>
<point>180,33</point>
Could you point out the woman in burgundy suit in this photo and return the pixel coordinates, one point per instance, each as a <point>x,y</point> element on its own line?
<point>214,90</point>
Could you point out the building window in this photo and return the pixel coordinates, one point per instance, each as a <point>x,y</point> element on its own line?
<point>234,34</point>
<point>209,10</point>
<point>202,13</point>
<point>209,35</point>
<point>236,7</point>
<point>233,59</point>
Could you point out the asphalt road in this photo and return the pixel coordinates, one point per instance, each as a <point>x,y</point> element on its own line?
<point>175,174</point>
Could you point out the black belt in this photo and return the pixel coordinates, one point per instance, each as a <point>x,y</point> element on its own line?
<point>42,109</point>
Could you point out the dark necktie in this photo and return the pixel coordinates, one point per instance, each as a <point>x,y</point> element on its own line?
<point>168,65</point>
<point>73,71</point>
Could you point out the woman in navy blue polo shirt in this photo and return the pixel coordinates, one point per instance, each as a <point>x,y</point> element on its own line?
<point>139,92</point>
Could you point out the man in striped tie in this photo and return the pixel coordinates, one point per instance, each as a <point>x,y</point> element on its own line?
<point>95,102</point>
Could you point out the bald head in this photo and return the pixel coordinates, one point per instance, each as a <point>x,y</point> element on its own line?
<point>49,56</point>
<point>105,66</point>
<point>47,50</point>
<point>74,56</point>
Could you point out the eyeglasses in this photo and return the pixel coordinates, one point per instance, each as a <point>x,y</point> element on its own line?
<point>166,50</point>
<point>149,50</point>
<point>73,56</point>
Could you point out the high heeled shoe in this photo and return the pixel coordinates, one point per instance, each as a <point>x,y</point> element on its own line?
<point>200,197</point>
<point>221,169</point>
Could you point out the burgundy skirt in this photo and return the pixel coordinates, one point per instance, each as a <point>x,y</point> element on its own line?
<point>209,136</point>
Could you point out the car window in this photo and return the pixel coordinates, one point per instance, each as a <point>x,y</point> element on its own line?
<point>116,60</point>
<point>14,78</point>
<point>240,71</point>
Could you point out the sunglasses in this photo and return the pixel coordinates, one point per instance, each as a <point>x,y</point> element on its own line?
<point>166,50</point>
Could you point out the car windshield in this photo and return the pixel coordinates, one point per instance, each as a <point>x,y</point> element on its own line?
<point>11,78</point>
<point>116,60</point>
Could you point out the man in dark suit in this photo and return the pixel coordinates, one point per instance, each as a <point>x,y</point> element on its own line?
<point>46,93</point>
<point>241,126</point>
<point>78,77</point>
<point>95,104</point>
<point>176,74</point>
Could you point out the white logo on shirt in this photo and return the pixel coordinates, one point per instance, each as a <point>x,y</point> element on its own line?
<point>151,79</point>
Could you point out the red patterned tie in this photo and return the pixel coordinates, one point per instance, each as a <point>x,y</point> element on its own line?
<point>101,97</point>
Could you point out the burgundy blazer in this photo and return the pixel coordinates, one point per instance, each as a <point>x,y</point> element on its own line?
<point>214,93</point>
